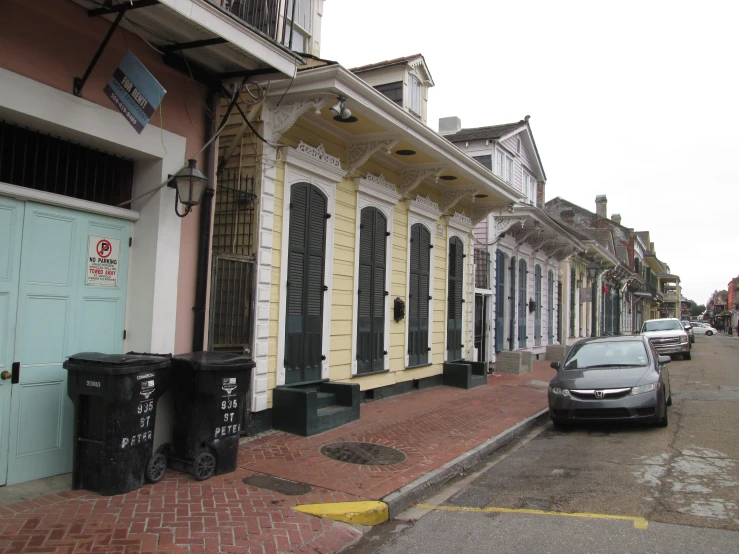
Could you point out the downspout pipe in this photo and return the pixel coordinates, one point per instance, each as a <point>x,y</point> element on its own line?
<point>206,218</point>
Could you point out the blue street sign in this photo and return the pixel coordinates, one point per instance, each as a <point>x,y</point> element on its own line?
<point>134,91</point>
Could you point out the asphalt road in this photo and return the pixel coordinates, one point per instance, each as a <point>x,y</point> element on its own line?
<point>627,489</point>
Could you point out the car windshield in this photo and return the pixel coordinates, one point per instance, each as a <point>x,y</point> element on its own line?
<point>664,325</point>
<point>607,354</point>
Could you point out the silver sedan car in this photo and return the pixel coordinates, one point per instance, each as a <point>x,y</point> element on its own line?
<point>611,378</point>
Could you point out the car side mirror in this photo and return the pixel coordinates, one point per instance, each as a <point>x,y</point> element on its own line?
<point>555,365</point>
<point>664,360</point>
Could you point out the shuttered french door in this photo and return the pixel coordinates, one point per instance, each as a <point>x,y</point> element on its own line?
<point>522,318</point>
<point>537,299</point>
<point>305,288</point>
<point>371,293</point>
<point>550,307</point>
<point>454,300</point>
<point>418,296</point>
<point>512,297</point>
<point>499,299</point>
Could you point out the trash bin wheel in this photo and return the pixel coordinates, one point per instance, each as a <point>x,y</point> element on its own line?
<point>205,465</point>
<point>155,467</point>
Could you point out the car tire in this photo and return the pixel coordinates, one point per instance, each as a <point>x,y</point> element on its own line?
<point>560,424</point>
<point>664,421</point>
<point>709,333</point>
<point>686,355</point>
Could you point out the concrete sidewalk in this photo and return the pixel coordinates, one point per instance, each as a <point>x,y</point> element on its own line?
<point>439,431</point>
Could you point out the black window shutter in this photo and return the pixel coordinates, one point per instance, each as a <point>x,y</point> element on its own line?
<point>371,293</point>
<point>418,321</point>
<point>305,276</point>
<point>522,303</point>
<point>454,299</point>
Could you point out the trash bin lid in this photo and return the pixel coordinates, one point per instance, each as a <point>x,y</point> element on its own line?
<point>215,361</point>
<point>115,364</point>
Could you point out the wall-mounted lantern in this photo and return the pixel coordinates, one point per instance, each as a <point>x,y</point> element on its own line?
<point>190,183</point>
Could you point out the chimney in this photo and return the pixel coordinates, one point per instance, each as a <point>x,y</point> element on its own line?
<point>616,218</point>
<point>449,125</point>
<point>600,206</point>
<point>568,216</point>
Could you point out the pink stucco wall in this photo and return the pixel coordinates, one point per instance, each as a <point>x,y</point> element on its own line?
<point>53,41</point>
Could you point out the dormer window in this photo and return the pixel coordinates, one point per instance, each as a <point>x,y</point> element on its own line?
<point>301,26</point>
<point>504,166</point>
<point>414,95</point>
<point>529,187</point>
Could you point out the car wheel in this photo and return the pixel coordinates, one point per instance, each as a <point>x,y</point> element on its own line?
<point>560,424</point>
<point>686,355</point>
<point>664,421</point>
<point>709,333</point>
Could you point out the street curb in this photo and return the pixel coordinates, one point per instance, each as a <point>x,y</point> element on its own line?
<point>433,481</point>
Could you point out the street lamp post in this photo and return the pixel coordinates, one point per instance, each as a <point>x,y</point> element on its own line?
<point>593,269</point>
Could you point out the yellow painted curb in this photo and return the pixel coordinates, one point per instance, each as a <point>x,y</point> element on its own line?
<point>358,513</point>
<point>639,522</point>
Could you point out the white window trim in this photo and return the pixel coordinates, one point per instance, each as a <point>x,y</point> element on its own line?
<point>306,164</point>
<point>426,212</point>
<point>530,184</point>
<point>460,226</point>
<point>506,156</point>
<point>373,191</point>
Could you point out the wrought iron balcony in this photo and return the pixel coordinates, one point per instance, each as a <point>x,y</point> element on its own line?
<point>272,18</point>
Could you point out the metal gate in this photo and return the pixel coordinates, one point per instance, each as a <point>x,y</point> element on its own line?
<point>232,277</point>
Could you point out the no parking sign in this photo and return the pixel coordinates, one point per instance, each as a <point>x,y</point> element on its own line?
<point>102,261</point>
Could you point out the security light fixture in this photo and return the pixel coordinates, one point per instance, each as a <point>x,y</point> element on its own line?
<point>340,110</point>
<point>189,183</point>
<point>510,208</point>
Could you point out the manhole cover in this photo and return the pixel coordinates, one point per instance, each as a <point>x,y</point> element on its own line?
<point>363,453</point>
<point>283,486</point>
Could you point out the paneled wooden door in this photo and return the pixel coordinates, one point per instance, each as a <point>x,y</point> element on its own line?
<point>57,313</point>
<point>305,284</point>
<point>371,348</point>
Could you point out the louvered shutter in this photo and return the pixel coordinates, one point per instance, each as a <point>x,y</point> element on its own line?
<point>550,308</point>
<point>418,320</point>
<point>371,293</point>
<point>522,317</point>
<point>454,299</point>
<point>499,299</point>
<point>537,299</point>
<point>306,256</point>
<point>512,297</point>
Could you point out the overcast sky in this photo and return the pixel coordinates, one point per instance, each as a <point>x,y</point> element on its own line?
<point>634,100</point>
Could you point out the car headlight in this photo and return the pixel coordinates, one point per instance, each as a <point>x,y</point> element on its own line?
<point>645,388</point>
<point>560,392</point>
<point>683,338</point>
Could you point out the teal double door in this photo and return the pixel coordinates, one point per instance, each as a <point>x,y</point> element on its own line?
<point>54,302</point>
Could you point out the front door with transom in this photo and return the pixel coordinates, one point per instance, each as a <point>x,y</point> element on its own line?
<point>51,306</point>
<point>305,284</point>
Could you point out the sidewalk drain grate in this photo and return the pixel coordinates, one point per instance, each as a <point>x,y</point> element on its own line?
<point>363,453</point>
<point>283,486</point>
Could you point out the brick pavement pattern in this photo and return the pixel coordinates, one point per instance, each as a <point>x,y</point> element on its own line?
<point>223,515</point>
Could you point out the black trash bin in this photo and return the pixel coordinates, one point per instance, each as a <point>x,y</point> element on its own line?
<point>115,398</point>
<point>209,391</point>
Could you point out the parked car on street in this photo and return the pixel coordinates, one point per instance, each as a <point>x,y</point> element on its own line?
<point>704,329</point>
<point>689,328</point>
<point>611,378</point>
<point>668,336</point>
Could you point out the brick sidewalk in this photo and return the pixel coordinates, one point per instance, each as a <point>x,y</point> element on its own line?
<point>183,515</point>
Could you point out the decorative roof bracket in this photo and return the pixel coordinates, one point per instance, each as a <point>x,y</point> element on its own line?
<point>361,151</point>
<point>411,178</point>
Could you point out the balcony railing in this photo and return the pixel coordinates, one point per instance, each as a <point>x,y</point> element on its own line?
<point>270,17</point>
<point>482,269</point>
